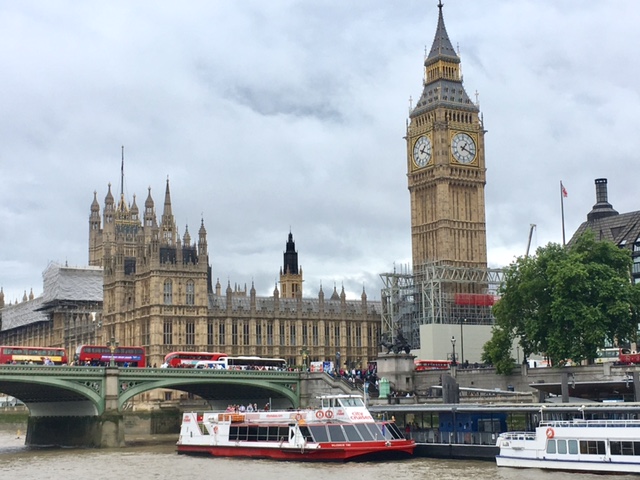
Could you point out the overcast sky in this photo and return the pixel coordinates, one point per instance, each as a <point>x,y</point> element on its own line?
<point>279,115</point>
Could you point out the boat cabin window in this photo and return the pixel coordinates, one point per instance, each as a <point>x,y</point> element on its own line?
<point>374,428</point>
<point>336,434</point>
<point>592,447</point>
<point>573,447</point>
<point>551,446</point>
<point>351,402</point>
<point>352,433</point>
<point>319,433</point>
<point>364,432</point>
<point>562,446</point>
<point>306,433</point>
<point>394,431</point>
<point>262,433</point>
<point>624,448</point>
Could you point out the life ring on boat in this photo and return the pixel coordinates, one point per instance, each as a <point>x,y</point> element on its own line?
<point>319,414</point>
<point>215,429</point>
<point>298,417</point>
<point>550,433</point>
<point>328,414</point>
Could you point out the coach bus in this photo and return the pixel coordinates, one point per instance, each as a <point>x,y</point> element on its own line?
<point>255,363</point>
<point>101,355</point>
<point>33,355</point>
<point>190,359</point>
<point>612,355</point>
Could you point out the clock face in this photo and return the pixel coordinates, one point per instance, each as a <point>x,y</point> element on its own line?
<point>422,151</point>
<point>463,148</point>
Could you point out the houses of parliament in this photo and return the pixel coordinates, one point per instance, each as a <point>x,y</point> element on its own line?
<point>147,284</point>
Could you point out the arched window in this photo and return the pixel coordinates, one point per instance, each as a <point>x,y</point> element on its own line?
<point>191,293</point>
<point>168,292</point>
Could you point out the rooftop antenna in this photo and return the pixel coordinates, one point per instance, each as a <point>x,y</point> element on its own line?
<point>122,175</point>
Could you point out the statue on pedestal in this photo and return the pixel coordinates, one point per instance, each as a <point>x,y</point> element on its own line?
<point>397,345</point>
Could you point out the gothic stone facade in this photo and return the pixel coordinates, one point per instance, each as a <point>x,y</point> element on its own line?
<point>158,293</point>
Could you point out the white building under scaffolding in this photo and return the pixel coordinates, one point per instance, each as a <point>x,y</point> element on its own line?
<point>441,310</point>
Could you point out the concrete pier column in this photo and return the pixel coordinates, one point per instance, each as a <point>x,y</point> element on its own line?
<point>111,421</point>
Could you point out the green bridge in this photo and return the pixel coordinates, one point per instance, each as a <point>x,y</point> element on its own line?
<point>85,405</point>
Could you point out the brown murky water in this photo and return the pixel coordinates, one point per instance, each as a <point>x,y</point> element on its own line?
<point>160,461</point>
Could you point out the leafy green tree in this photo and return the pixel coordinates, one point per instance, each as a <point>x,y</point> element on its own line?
<point>497,351</point>
<point>565,303</point>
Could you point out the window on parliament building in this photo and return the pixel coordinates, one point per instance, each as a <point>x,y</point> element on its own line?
<point>269,334</point>
<point>167,332</point>
<point>191,293</point>
<point>168,292</point>
<point>190,332</point>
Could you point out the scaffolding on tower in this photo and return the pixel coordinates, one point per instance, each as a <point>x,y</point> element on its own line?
<point>436,293</point>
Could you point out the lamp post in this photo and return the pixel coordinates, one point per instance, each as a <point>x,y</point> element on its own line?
<point>337,363</point>
<point>453,355</point>
<point>462,322</point>
<point>112,344</point>
<point>305,355</point>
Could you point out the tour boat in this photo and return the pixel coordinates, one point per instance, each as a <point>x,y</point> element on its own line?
<point>339,429</point>
<point>597,446</point>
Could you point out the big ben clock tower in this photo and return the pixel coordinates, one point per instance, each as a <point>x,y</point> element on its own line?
<point>446,165</point>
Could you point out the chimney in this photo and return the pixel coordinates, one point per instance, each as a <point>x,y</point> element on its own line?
<point>602,208</point>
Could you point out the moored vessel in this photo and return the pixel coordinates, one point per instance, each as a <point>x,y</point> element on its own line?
<point>339,429</point>
<point>598,446</point>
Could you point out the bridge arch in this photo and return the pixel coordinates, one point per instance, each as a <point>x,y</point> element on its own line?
<point>52,391</point>
<point>213,385</point>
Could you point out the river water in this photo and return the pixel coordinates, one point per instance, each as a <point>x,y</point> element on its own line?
<point>160,461</point>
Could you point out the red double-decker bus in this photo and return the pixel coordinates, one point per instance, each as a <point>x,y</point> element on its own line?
<point>33,355</point>
<point>190,359</point>
<point>100,355</point>
<point>423,365</point>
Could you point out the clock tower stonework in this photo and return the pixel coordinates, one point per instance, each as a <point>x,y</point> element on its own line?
<point>446,165</point>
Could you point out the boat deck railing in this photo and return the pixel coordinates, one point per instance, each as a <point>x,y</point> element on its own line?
<point>576,422</point>
<point>518,435</point>
<point>453,438</point>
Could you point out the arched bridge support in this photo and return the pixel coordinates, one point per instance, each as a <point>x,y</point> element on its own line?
<point>105,429</point>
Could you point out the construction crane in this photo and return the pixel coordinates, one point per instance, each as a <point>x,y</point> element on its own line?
<point>533,227</point>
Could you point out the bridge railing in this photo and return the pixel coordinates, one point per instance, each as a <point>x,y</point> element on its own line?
<point>47,369</point>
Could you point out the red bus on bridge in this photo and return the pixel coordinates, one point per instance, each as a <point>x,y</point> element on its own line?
<point>422,365</point>
<point>100,355</point>
<point>33,355</point>
<point>190,359</point>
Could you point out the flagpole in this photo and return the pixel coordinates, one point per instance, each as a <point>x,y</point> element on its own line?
<point>562,210</point>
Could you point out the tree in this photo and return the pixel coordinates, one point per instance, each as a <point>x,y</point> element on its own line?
<point>565,303</point>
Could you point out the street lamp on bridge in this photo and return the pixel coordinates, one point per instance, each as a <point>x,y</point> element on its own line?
<point>112,344</point>
<point>305,356</point>
<point>453,355</point>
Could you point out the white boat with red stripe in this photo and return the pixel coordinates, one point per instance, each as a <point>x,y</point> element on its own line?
<point>339,429</point>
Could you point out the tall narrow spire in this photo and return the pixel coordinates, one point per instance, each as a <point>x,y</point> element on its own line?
<point>291,256</point>
<point>122,175</point>
<point>442,46</point>
<point>167,201</point>
<point>169,231</point>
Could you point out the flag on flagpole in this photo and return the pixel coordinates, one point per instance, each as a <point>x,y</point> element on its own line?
<point>564,190</point>
<point>563,194</point>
